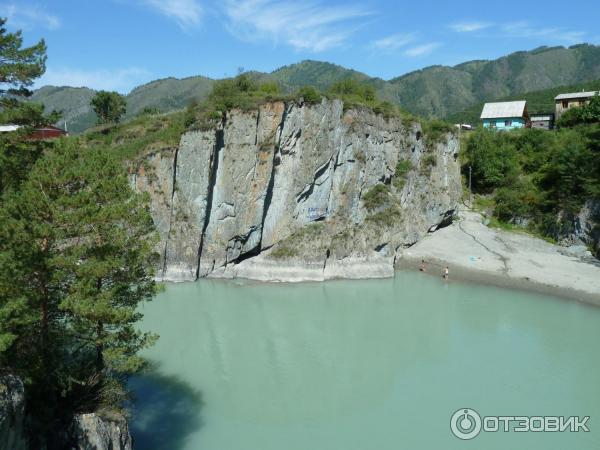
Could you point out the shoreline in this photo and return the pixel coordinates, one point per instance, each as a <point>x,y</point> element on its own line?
<point>473,252</point>
<point>468,275</point>
<point>476,253</point>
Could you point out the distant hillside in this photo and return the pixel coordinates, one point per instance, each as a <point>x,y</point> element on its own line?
<point>164,95</point>
<point>73,102</point>
<point>436,91</point>
<point>441,91</point>
<point>168,94</point>
<point>314,73</point>
<point>537,102</point>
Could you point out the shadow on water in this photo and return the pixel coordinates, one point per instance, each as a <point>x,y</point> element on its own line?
<point>165,411</point>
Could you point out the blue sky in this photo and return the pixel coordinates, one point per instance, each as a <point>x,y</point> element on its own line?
<point>118,44</point>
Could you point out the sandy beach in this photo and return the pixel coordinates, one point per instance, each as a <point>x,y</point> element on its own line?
<point>475,252</point>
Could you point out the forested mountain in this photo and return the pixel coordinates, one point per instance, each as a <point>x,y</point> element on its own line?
<point>437,91</point>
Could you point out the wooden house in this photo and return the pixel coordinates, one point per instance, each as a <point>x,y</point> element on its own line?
<point>570,100</point>
<point>505,115</point>
<point>542,121</point>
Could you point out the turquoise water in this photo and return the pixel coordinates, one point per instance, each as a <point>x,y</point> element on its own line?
<point>362,365</point>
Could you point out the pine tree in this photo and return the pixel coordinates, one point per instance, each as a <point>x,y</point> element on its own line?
<point>76,248</point>
<point>19,67</point>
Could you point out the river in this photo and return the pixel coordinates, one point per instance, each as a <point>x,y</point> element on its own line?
<point>362,365</point>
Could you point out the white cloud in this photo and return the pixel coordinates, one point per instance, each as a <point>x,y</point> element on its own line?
<point>310,26</point>
<point>469,27</point>
<point>393,42</point>
<point>120,80</point>
<point>187,13</point>
<point>422,50</point>
<point>526,30</point>
<point>28,17</point>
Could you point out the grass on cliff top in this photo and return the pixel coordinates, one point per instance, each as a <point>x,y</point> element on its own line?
<point>145,133</point>
<point>242,92</point>
<point>435,131</point>
<point>150,131</point>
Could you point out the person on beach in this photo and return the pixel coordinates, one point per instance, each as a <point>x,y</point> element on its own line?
<point>446,273</point>
<point>422,268</point>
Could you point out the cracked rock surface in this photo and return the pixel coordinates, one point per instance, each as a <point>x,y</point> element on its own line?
<point>278,194</point>
<point>12,413</point>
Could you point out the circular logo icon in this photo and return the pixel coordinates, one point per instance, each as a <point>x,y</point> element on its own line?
<point>465,424</point>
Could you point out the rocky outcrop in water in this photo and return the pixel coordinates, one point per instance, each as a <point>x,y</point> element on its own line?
<point>86,432</point>
<point>298,192</point>
<point>12,413</point>
<point>92,432</point>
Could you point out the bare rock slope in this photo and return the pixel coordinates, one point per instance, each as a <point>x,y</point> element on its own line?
<point>295,192</point>
<point>12,414</point>
<point>474,251</point>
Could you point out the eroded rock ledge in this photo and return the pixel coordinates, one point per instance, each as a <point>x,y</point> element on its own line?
<point>279,193</point>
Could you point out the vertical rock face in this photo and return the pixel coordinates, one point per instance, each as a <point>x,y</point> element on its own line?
<point>192,177</point>
<point>91,432</point>
<point>12,413</point>
<point>587,226</point>
<point>242,176</point>
<point>303,168</point>
<point>242,200</point>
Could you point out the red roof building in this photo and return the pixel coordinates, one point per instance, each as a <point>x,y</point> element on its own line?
<point>47,132</point>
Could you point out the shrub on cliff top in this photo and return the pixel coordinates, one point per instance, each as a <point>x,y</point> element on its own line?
<point>435,131</point>
<point>354,94</point>
<point>310,95</point>
<point>241,92</point>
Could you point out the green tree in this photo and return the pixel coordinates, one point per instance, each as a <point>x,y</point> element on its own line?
<point>76,248</point>
<point>109,106</point>
<point>309,94</point>
<point>19,67</point>
<point>516,201</point>
<point>493,158</point>
<point>591,111</point>
<point>352,90</point>
<point>586,114</point>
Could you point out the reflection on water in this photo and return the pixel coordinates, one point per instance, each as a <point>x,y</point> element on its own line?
<point>166,411</point>
<point>359,365</point>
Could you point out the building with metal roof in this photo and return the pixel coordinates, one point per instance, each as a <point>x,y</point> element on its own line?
<point>542,121</point>
<point>570,100</point>
<point>576,95</point>
<point>505,115</point>
<point>8,128</point>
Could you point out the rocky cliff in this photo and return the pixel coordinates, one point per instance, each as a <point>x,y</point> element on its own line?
<point>86,432</point>
<point>12,414</point>
<point>298,192</point>
<point>92,432</point>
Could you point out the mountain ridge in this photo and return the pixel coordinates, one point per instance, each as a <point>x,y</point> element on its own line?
<point>436,91</point>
